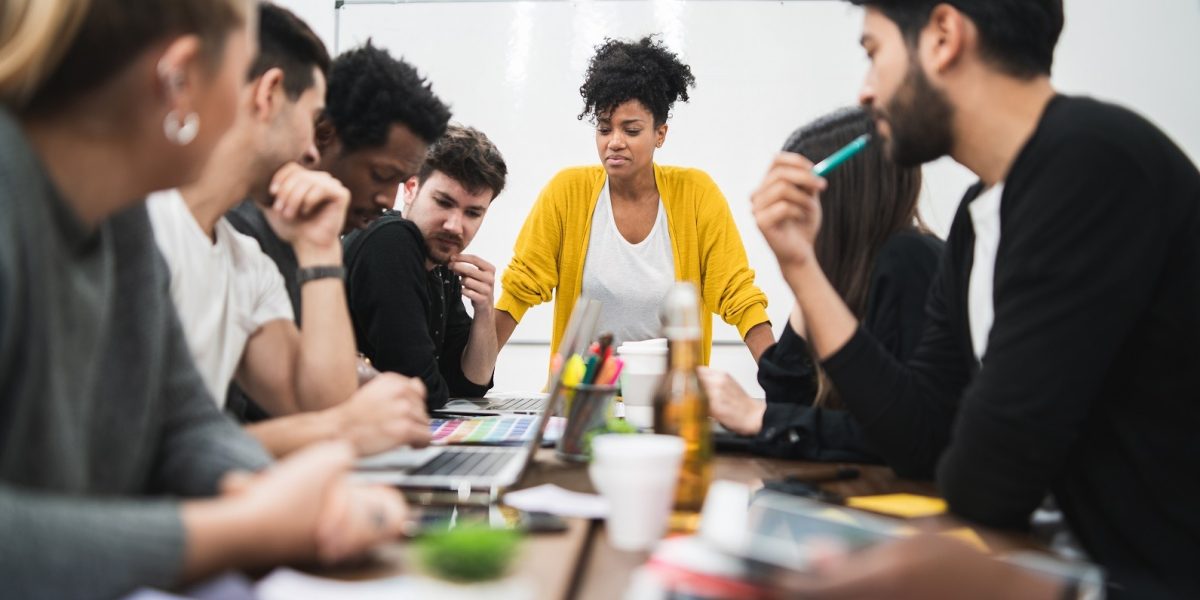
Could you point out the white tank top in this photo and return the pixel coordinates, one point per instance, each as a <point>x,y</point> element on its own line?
<point>630,280</point>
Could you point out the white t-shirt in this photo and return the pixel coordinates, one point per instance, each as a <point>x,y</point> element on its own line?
<point>985,220</point>
<point>630,280</point>
<point>223,291</point>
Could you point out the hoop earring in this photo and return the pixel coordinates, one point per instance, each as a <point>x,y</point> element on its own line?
<point>181,132</point>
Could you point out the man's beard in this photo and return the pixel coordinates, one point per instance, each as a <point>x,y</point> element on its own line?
<point>919,118</point>
<point>434,251</point>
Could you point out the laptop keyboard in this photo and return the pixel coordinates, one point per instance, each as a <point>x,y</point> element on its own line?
<point>459,463</point>
<point>517,404</point>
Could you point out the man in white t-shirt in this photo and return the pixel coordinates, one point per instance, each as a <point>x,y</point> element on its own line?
<point>230,296</point>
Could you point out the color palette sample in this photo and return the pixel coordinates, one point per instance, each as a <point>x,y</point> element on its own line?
<point>507,429</point>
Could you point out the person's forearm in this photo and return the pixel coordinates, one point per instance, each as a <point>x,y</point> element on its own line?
<point>111,544</point>
<point>758,339</point>
<point>325,370</point>
<point>505,325</point>
<point>829,322</point>
<point>479,357</point>
<point>284,435</point>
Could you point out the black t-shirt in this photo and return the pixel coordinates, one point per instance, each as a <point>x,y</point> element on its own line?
<point>408,319</point>
<point>1090,385</point>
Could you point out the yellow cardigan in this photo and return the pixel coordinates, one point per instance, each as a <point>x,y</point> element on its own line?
<point>550,250</point>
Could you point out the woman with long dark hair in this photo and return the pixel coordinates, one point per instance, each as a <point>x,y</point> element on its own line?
<point>880,260</point>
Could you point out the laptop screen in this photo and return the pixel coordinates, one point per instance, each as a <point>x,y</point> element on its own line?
<point>579,333</point>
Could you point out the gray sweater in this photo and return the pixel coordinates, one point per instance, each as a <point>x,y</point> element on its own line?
<point>104,422</point>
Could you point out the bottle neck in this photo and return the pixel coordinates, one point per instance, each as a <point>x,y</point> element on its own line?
<point>684,353</point>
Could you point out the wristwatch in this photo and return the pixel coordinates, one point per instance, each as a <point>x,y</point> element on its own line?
<point>307,274</point>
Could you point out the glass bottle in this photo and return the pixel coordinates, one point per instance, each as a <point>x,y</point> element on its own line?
<point>680,405</point>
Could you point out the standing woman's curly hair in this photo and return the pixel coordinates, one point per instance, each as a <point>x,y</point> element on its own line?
<point>644,70</point>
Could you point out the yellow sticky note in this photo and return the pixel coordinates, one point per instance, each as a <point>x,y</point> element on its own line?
<point>908,506</point>
<point>969,536</point>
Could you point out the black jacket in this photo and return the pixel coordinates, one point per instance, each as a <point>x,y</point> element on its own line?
<point>895,315</point>
<point>408,319</point>
<point>1090,385</point>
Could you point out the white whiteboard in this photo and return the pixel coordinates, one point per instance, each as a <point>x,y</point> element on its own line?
<point>513,69</point>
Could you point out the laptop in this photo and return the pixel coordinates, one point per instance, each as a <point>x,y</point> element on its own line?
<point>466,469</point>
<point>517,403</point>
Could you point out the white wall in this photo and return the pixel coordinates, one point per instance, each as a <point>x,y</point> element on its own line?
<point>513,70</point>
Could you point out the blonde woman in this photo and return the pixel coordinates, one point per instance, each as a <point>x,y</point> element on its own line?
<point>116,468</point>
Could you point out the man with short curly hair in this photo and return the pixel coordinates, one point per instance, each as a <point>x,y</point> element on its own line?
<point>405,275</point>
<point>380,118</point>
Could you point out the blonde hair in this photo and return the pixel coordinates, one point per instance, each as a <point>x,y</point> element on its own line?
<point>52,51</point>
<point>34,36</point>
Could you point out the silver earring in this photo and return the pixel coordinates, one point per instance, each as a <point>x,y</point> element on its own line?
<point>181,131</point>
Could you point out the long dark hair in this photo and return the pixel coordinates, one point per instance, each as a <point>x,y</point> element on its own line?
<point>868,200</point>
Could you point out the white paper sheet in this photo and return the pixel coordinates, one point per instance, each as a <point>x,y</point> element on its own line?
<point>555,500</point>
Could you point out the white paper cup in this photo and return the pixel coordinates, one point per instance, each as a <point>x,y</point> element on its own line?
<point>645,364</point>
<point>637,474</point>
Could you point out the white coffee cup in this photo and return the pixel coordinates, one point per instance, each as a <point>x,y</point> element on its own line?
<point>645,364</point>
<point>637,474</point>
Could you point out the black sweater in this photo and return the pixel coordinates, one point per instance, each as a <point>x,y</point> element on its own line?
<point>1090,386</point>
<point>408,319</point>
<point>895,316</point>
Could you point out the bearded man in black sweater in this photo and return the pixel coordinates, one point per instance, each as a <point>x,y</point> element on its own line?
<point>1060,350</point>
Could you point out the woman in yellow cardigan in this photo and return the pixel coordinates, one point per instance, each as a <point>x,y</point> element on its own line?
<point>624,231</point>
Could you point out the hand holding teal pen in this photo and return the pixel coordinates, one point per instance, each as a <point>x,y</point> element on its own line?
<point>786,205</point>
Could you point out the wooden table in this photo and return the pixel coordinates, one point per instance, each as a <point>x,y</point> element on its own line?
<point>580,563</point>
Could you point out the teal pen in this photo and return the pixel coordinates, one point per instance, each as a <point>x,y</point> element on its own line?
<point>841,156</point>
<point>589,372</point>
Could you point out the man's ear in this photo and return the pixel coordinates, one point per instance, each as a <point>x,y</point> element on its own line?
<point>268,94</point>
<point>408,192</point>
<point>325,135</point>
<point>946,37</point>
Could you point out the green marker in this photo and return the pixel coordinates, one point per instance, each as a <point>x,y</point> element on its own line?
<point>841,156</point>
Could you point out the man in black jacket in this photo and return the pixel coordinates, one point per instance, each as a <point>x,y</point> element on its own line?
<point>406,275</point>
<point>1059,355</point>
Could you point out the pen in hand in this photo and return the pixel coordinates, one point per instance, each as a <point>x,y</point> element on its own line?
<point>842,155</point>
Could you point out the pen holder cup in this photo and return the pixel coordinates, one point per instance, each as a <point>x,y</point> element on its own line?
<point>588,408</point>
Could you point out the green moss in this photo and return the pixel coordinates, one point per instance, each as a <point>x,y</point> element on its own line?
<point>611,426</point>
<point>468,553</point>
